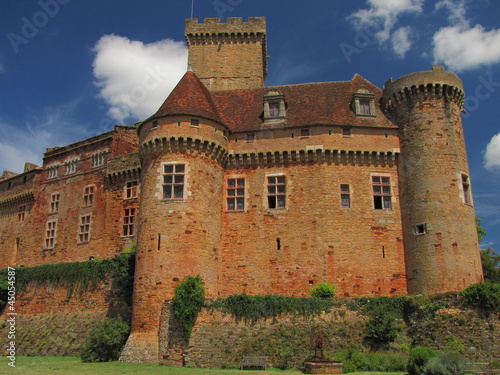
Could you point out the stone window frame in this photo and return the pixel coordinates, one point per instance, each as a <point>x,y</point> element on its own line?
<point>88,195</point>
<point>171,185</point>
<point>129,221</point>
<point>55,199</point>
<point>382,197</point>
<point>132,191</point>
<point>363,95</point>
<point>50,234</point>
<point>99,158</point>
<point>237,198</point>
<point>273,193</point>
<point>345,195</point>
<point>465,191</point>
<point>70,165</point>
<point>53,171</point>
<point>84,228</point>
<point>21,213</point>
<point>274,100</point>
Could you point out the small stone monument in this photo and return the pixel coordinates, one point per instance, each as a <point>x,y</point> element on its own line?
<point>318,363</point>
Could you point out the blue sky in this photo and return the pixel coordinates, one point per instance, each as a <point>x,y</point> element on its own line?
<point>71,69</point>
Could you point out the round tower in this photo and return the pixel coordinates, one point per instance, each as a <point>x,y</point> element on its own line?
<point>182,147</point>
<point>440,237</point>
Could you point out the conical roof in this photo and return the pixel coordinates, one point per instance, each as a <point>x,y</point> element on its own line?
<point>189,97</point>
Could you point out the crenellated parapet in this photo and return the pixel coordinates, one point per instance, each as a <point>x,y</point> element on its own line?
<point>182,144</point>
<point>420,86</point>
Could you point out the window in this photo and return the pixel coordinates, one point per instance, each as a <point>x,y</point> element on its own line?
<point>276,191</point>
<point>345,196</point>
<point>98,159</point>
<point>53,171</point>
<point>250,137</point>
<point>70,167</point>
<point>54,203</point>
<point>21,213</point>
<point>195,122</point>
<point>50,234</point>
<point>274,105</point>
<point>304,132</point>
<point>88,196</point>
<point>346,132</point>
<point>129,222</point>
<point>173,181</point>
<point>84,229</point>
<point>364,102</point>
<point>236,194</point>
<point>467,197</point>
<point>420,229</point>
<point>154,124</point>
<point>274,109</point>
<point>131,189</point>
<point>381,192</point>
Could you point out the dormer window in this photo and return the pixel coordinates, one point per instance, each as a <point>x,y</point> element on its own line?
<point>364,103</point>
<point>274,105</point>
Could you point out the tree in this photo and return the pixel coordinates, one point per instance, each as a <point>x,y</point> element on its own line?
<point>480,230</point>
<point>491,265</point>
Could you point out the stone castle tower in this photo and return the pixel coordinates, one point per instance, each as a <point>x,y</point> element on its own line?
<point>416,234</point>
<point>440,238</point>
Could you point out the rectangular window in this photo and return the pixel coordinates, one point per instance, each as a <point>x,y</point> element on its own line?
<point>131,189</point>
<point>54,203</point>
<point>88,196</point>
<point>304,132</point>
<point>98,159</point>
<point>154,124</point>
<point>250,137</point>
<point>173,181</point>
<point>129,222</point>
<point>70,167</point>
<point>195,122</point>
<point>21,213</point>
<point>53,171</point>
<point>50,234</point>
<point>345,196</point>
<point>346,132</point>
<point>84,229</point>
<point>274,109</point>
<point>236,194</point>
<point>381,193</point>
<point>276,191</point>
<point>467,198</point>
<point>364,107</point>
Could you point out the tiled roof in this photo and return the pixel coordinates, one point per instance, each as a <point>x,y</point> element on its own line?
<point>189,97</point>
<point>325,103</point>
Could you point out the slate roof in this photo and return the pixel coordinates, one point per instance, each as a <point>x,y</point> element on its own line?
<point>325,103</point>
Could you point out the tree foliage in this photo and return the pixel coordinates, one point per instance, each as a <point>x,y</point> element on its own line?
<point>485,296</point>
<point>323,290</point>
<point>491,265</point>
<point>106,341</point>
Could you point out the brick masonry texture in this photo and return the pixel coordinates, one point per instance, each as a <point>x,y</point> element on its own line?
<point>222,124</point>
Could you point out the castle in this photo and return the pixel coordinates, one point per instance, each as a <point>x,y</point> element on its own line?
<point>260,189</point>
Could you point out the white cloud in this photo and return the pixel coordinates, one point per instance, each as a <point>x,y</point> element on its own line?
<point>135,78</point>
<point>463,49</point>
<point>492,154</point>
<point>460,46</point>
<point>383,16</point>
<point>401,42</point>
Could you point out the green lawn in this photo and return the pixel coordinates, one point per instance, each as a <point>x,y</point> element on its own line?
<point>74,366</point>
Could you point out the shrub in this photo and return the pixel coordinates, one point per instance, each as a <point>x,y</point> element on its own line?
<point>485,296</point>
<point>381,330</point>
<point>376,361</point>
<point>323,290</point>
<point>105,342</point>
<point>419,356</point>
<point>444,364</point>
<point>187,302</point>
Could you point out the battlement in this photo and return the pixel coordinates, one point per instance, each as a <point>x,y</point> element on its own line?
<point>435,83</point>
<point>233,25</point>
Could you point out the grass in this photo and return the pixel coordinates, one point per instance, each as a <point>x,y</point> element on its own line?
<point>74,366</point>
